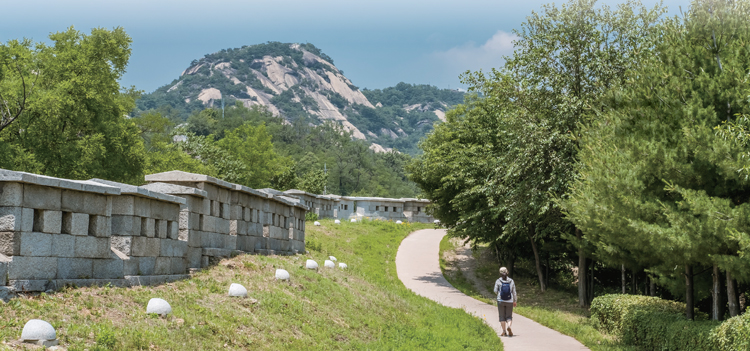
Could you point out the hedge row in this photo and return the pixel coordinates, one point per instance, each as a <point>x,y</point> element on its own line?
<point>655,324</point>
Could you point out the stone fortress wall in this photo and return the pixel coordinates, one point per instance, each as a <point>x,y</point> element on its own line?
<point>56,232</point>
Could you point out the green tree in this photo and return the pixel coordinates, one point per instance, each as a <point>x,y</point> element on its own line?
<point>252,146</point>
<point>67,108</point>
<point>657,184</point>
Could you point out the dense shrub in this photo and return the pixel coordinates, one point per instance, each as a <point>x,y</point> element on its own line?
<point>733,334</point>
<point>651,323</point>
<point>609,312</point>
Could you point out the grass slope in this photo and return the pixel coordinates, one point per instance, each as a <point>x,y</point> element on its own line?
<point>556,308</point>
<point>364,307</point>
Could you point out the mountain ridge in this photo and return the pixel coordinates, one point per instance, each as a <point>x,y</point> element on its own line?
<point>300,83</point>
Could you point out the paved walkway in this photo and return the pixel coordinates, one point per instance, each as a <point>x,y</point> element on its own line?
<point>418,267</point>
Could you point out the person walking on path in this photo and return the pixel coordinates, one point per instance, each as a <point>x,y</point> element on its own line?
<point>505,288</point>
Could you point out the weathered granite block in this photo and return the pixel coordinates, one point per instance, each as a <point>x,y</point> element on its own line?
<point>100,226</point>
<point>230,242</point>
<point>74,268</point>
<point>91,247</point>
<point>225,195</point>
<point>31,284</point>
<point>95,204</point>
<point>11,219</point>
<point>41,197</point>
<point>10,243</point>
<point>11,194</point>
<point>125,225</point>
<point>148,227</point>
<point>163,265</point>
<point>208,224</point>
<point>130,266</point>
<point>184,219</point>
<point>75,223</point>
<point>173,230</point>
<point>233,227</point>
<point>3,269</point>
<point>260,243</point>
<point>214,208</point>
<point>285,245</point>
<point>179,248</point>
<point>247,214</point>
<point>146,265</point>
<point>224,213</point>
<point>142,207</point>
<point>122,244</point>
<point>193,257</point>
<point>48,221</point>
<point>30,268</point>
<point>63,245</point>
<point>246,243</point>
<point>273,244</point>
<point>222,225</point>
<point>178,265</point>
<point>235,212</point>
<point>143,246</point>
<point>108,268</point>
<point>123,205</point>
<point>161,229</point>
<point>36,244</point>
<point>194,238</point>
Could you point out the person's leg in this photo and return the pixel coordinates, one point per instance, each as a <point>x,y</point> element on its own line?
<point>501,315</point>
<point>509,318</point>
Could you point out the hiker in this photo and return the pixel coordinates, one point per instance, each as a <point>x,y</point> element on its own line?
<point>505,289</point>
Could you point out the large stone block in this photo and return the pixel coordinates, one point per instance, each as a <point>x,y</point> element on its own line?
<point>225,196</point>
<point>31,284</point>
<point>142,207</point>
<point>260,243</point>
<point>63,245</point>
<point>194,238</point>
<point>130,266</point>
<point>246,243</point>
<point>194,257</point>
<point>11,219</point>
<point>222,225</point>
<point>273,244</point>
<point>108,268</point>
<point>122,244</point>
<point>74,268</point>
<point>215,208</point>
<point>100,226</point>
<point>41,197</point>
<point>92,247</point>
<point>36,244</point>
<point>72,201</point>
<point>30,268</point>
<point>126,225</point>
<point>161,229</point>
<point>230,242</point>
<point>11,194</point>
<point>173,230</point>
<point>146,265</point>
<point>75,223</point>
<point>247,214</point>
<point>123,205</point>
<point>143,246</point>
<point>3,269</point>
<point>184,219</point>
<point>180,248</point>
<point>233,227</point>
<point>235,212</point>
<point>148,227</point>
<point>48,221</point>
<point>163,265</point>
<point>224,213</point>
<point>10,243</point>
<point>209,224</point>
<point>179,266</point>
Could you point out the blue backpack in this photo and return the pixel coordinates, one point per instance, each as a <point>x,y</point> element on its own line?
<point>505,291</point>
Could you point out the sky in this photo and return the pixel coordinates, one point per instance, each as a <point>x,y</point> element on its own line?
<point>376,43</point>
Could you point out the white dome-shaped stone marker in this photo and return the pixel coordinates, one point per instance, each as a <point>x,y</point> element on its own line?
<point>337,222</point>
<point>332,258</point>
<point>342,265</point>
<point>437,221</point>
<point>398,222</point>
<point>316,223</point>
<point>158,306</point>
<point>310,264</point>
<point>354,220</point>
<point>38,331</point>
<point>329,264</point>
<point>282,274</point>
<point>237,290</point>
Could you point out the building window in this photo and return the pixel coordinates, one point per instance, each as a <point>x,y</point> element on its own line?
<point>419,209</point>
<point>346,207</point>
<point>377,208</point>
<point>385,208</point>
<point>394,209</point>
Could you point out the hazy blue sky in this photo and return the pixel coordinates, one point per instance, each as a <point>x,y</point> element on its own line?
<point>376,43</point>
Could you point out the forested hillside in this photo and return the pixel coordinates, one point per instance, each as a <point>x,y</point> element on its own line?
<point>300,84</point>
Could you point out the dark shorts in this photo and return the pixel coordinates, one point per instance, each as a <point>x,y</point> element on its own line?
<point>505,311</point>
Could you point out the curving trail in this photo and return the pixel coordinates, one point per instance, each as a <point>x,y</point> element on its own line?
<point>418,267</point>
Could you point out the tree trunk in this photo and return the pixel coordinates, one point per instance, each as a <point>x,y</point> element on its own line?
<point>633,289</point>
<point>652,286</point>
<point>591,283</point>
<point>623,279</point>
<point>542,288</point>
<point>734,308</point>
<point>582,300</point>
<point>717,306</point>
<point>512,266</point>
<point>546,272</point>
<point>689,304</point>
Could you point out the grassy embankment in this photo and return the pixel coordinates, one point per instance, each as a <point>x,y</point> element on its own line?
<point>364,307</point>
<point>557,309</point>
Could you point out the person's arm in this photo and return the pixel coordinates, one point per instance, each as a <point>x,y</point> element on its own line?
<point>495,288</point>
<point>515,296</point>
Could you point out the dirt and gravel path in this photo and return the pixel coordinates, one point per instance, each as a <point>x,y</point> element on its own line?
<point>418,267</point>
